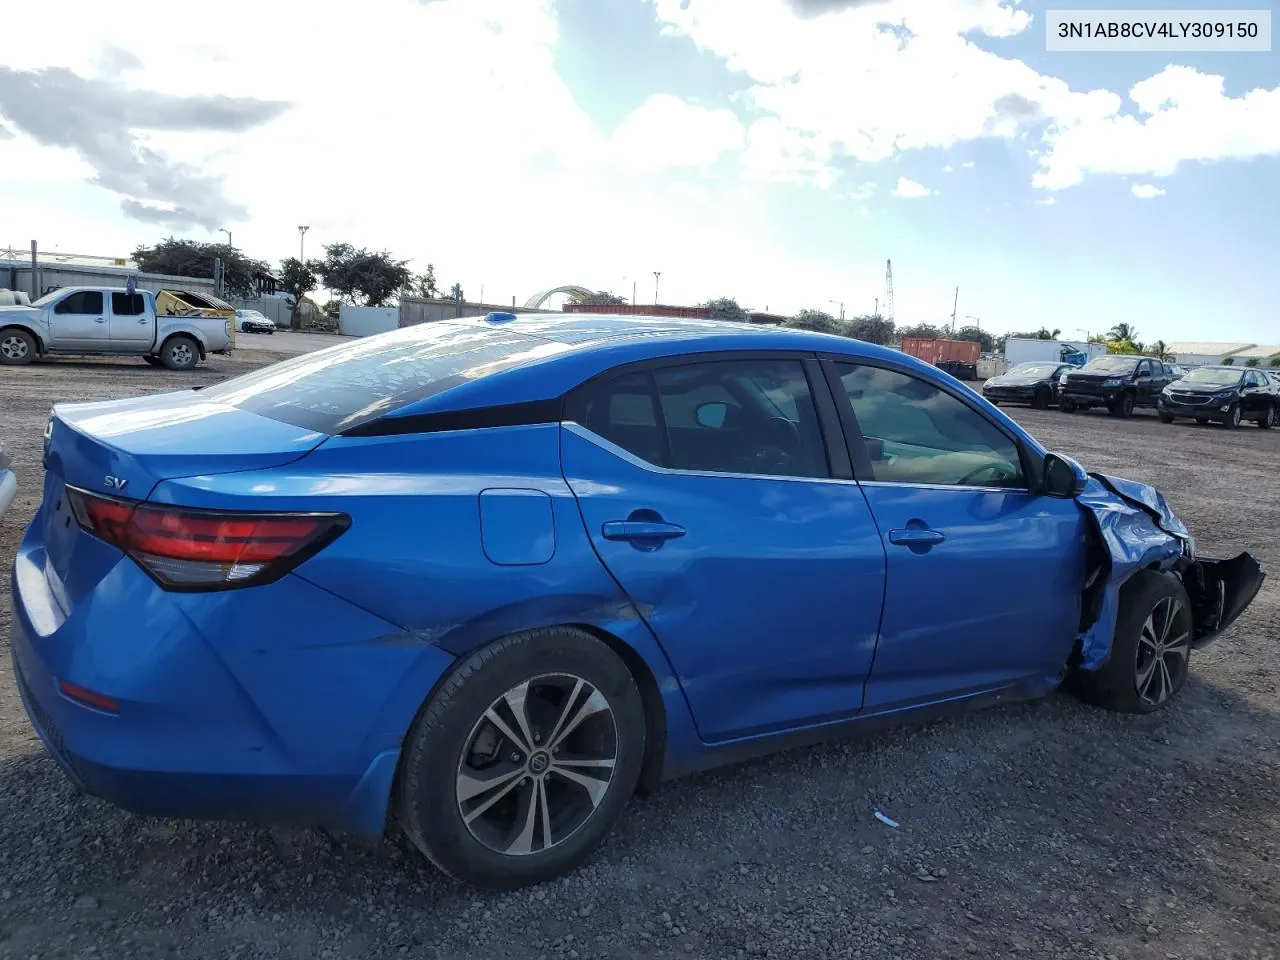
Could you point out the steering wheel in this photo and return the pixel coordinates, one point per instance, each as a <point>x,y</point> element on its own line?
<point>778,445</point>
<point>998,470</point>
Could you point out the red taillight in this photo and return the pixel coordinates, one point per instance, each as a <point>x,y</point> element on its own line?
<point>206,549</point>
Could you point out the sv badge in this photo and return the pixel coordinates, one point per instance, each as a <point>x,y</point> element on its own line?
<point>116,483</point>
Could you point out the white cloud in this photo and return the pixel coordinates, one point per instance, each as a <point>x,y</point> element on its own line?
<point>1185,116</point>
<point>1047,201</point>
<point>1146,191</point>
<point>948,169</point>
<point>911,190</point>
<point>968,164</point>
<point>666,132</point>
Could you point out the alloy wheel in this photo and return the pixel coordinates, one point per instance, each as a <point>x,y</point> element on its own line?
<point>181,354</point>
<point>13,347</point>
<point>537,764</point>
<point>1164,649</point>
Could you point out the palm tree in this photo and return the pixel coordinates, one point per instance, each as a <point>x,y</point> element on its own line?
<point>1160,350</point>
<point>1122,332</point>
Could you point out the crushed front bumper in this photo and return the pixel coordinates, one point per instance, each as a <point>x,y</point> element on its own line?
<point>1136,530</point>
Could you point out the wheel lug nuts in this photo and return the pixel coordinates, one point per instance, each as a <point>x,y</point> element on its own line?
<point>515,758</point>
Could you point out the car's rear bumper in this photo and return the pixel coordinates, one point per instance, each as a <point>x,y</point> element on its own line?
<point>220,713</point>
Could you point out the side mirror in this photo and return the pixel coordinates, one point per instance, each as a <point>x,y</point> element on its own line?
<point>711,414</point>
<point>1063,477</point>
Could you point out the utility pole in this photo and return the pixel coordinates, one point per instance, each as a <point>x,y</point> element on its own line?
<point>35,273</point>
<point>954,304</point>
<point>876,312</point>
<point>657,275</point>
<point>888,290</point>
<point>302,243</point>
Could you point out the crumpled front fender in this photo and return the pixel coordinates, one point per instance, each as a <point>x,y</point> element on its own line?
<point>1135,529</point>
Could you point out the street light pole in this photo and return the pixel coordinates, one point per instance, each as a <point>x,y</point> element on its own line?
<point>657,275</point>
<point>228,233</point>
<point>302,243</point>
<point>977,320</point>
<point>839,304</point>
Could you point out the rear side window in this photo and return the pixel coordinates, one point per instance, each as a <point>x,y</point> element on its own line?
<point>753,417</point>
<point>127,304</point>
<point>83,301</point>
<point>344,386</point>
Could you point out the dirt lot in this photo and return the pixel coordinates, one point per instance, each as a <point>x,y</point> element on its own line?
<point>1046,830</point>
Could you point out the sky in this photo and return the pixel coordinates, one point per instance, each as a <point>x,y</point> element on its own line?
<point>774,151</point>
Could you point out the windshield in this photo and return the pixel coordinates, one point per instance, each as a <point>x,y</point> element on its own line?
<point>48,297</point>
<point>1110,365</point>
<point>1032,370</point>
<point>1213,375</point>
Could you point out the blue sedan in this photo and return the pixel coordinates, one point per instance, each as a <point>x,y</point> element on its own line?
<point>481,581</point>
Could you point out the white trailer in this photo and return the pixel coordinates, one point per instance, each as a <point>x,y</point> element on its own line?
<point>1026,349</point>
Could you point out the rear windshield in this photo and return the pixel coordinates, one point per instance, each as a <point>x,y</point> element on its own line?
<point>339,388</point>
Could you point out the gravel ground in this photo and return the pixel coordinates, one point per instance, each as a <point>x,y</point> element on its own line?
<point>1044,830</point>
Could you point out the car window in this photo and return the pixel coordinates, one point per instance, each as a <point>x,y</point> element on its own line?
<point>1144,368</point>
<point>337,388</point>
<point>82,301</point>
<point>916,432</point>
<point>721,416</point>
<point>127,304</point>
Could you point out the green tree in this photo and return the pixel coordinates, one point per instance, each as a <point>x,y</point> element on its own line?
<point>423,285</point>
<point>1251,362</point>
<point>920,331</point>
<point>1274,361</point>
<point>1228,361</point>
<point>360,275</point>
<point>817,320</point>
<point>978,335</point>
<point>1159,350</point>
<point>603,298</point>
<point>871,328</point>
<point>190,258</point>
<point>1123,331</point>
<point>298,279</point>
<point>726,308</point>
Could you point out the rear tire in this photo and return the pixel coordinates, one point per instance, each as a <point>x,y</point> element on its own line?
<point>17,347</point>
<point>1151,651</point>
<point>483,797</point>
<point>1269,418</point>
<point>180,353</point>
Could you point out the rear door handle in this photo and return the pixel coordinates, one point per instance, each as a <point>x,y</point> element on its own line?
<point>915,537</point>
<point>640,530</point>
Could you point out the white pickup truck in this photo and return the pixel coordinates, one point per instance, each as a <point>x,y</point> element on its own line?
<point>172,329</point>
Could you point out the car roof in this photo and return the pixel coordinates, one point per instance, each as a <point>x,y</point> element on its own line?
<point>567,349</point>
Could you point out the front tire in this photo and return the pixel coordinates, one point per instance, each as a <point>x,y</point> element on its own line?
<point>1165,417</point>
<point>1151,651</point>
<point>1041,400</point>
<point>1067,405</point>
<point>17,347</point>
<point>1232,419</point>
<point>524,759</point>
<point>1123,407</point>
<point>180,353</point>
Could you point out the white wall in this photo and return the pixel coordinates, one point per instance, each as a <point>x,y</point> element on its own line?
<point>366,321</point>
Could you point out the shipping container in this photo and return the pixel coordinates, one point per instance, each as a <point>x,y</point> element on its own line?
<point>943,351</point>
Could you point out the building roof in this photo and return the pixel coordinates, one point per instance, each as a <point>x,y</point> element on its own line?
<point>1208,347</point>
<point>1262,351</point>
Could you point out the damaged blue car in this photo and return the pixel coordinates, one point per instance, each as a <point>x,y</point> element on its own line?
<point>478,582</point>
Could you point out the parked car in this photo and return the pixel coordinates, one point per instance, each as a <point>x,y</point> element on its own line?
<point>1176,370</point>
<point>478,580</point>
<point>253,321</point>
<point>172,328</point>
<point>1035,383</point>
<point>1222,394</point>
<point>1118,382</point>
<point>8,482</point>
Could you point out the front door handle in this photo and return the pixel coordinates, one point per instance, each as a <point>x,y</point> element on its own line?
<point>100,320</point>
<point>916,537</point>
<point>641,530</point>
<point>144,320</point>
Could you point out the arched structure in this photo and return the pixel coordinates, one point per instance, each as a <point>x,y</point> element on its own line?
<point>575,293</point>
